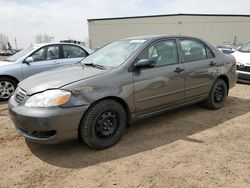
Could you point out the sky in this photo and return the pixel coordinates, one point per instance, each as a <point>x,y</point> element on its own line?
<point>63,19</point>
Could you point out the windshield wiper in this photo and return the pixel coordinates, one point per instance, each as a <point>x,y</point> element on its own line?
<point>94,65</point>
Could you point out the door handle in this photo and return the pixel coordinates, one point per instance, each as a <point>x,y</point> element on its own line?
<point>178,70</point>
<point>212,63</point>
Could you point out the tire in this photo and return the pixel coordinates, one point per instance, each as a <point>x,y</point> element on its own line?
<point>7,88</point>
<point>217,95</point>
<point>103,124</point>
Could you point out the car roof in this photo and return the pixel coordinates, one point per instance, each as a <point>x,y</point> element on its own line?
<point>55,43</point>
<point>153,37</point>
<point>65,43</point>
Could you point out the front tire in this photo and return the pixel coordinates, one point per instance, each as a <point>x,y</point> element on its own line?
<point>7,88</point>
<point>217,95</point>
<point>103,124</point>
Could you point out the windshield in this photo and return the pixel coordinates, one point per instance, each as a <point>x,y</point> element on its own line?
<point>245,48</point>
<point>114,54</point>
<point>20,54</point>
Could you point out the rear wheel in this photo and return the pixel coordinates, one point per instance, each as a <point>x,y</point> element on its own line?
<point>103,124</point>
<point>7,88</point>
<point>217,95</point>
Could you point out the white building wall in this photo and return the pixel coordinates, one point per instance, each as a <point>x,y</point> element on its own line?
<point>234,30</point>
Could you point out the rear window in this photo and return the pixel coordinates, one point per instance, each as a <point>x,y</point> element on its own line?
<point>70,51</point>
<point>194,50</point>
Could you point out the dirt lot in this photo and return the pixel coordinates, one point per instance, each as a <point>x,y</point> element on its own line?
<point>2,58</point>
<point>190,147</point>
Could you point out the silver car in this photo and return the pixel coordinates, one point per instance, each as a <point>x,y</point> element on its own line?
<point>36,59</point>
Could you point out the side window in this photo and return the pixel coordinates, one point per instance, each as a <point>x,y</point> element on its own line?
<point>52,52</point>
<point>46,53</point>
<point>193,50</point>
<point>70,51</point>
<point>39,55</point>
<point>163,52</point>
<point>210,54</point>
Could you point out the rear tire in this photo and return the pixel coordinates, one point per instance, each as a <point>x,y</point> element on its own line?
<point>7,88</point>
<point>217,95</point>
<point>103,124</point>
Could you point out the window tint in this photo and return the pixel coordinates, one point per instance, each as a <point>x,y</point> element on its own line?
<point>46,53</point>
<point>193,50</point>
<point>163,52</point>
<point>73,51</point>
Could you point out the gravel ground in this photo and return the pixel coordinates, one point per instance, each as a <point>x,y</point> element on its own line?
<point>2,58</point>
<point>189,147</point>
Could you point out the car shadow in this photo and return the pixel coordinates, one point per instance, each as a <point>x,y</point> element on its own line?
<point>144,135</point>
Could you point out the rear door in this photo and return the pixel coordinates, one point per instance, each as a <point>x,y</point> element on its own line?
<point>161,86</point>
<point>72,54</point>
<point>200,66</point>
<point>45,58</point>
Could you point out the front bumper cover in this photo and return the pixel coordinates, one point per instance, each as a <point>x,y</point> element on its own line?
<point>46,125</point>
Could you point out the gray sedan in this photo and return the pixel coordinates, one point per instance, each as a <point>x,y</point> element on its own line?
<point>36,59</point>
<point>120,83</point>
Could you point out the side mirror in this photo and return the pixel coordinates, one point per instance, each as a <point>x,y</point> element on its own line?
<point>144,64</point>
<point>29,60</point>
<point>238,47</point>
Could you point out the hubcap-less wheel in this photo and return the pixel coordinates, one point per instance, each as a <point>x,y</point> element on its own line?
<point>219,93</point>
<point>6,89</point>
<point>107,124</point>
<point>103,124</point>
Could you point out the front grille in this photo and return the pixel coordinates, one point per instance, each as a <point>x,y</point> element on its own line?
<point>19,95</point>
<point>245,68</point>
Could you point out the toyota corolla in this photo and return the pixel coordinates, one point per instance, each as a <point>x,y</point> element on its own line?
<point>122,82</point>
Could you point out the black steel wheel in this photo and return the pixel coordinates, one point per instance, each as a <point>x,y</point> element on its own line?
<point>217,95</point>
<point>103,124</point>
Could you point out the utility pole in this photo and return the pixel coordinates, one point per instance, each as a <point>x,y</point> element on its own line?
<point>15,43</point>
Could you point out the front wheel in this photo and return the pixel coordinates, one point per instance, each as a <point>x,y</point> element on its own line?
<point>217,95</point>
<point>7,88</point>
<point>103,124</point>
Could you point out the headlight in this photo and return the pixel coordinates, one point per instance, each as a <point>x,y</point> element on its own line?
<point>48,98</point>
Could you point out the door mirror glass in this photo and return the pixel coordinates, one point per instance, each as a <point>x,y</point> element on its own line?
<point>29,60</point>
<point>144,63</point>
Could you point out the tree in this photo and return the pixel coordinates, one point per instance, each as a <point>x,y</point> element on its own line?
<point>44,38</point>
<point>3,41</point>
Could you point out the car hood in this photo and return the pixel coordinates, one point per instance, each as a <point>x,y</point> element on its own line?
<point>242,57</point>
<point>57,78</point>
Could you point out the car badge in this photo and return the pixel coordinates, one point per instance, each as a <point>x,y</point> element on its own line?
<point>241,65</point>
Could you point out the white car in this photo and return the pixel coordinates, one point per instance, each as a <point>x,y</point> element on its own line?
<point>242,56</point>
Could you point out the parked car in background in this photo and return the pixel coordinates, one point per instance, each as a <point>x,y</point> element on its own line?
<point>124,81</point>
<point>226,49</point>
<point>242,56</point>
<point>36,59</point>
<point>7,53</point>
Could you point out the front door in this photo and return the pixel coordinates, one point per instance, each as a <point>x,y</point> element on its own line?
<point>163,85</point>
<point>45,58</point>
